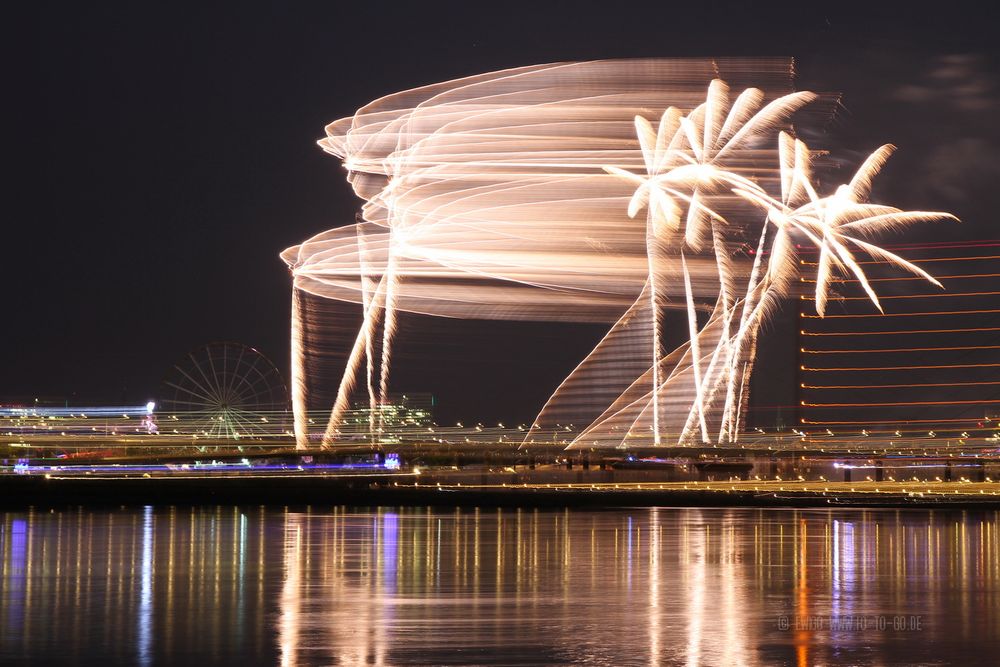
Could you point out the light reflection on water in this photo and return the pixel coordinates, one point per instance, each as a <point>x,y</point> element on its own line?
<point>422,586</point>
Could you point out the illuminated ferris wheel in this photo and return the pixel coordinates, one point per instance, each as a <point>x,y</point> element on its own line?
<point>224,391</point>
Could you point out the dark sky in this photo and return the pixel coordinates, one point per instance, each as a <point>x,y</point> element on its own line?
<point>165,152</point>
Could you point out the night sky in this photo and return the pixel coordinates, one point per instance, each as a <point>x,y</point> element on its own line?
<point>165,154</point>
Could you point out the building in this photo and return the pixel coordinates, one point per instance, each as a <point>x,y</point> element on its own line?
<point>402,416</point>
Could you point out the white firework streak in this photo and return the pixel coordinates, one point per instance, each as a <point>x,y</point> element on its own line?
<point>348,380</point>
<point>695,354</point>
<point>389,325</point>
<point>729,420</point>
<point>368,290</point>
<point>363,348</point>
<point>300,417</point>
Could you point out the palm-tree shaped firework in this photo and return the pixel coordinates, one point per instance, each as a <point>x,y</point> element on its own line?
<point>683,158</point>
<point>686,161</point>
<point>835,222</point>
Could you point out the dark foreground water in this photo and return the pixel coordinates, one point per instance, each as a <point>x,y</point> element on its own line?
<point>249,586</point>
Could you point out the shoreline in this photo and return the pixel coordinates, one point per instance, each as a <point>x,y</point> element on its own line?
<point>445,488</point>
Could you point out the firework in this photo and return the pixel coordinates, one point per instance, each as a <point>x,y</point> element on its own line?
<point>514,195</point>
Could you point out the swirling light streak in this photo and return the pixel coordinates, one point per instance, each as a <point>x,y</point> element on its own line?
<point>499,196</point>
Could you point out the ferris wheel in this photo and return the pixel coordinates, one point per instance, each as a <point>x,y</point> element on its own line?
<point>224,391</point>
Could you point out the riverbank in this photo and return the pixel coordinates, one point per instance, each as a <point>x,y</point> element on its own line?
<point>464,488</point>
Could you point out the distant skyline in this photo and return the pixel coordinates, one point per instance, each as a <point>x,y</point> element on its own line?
<point>167,155</point>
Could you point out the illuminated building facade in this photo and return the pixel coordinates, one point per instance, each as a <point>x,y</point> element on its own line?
<point>402,416</point>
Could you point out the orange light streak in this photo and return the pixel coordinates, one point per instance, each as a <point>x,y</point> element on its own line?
<point>920,314</point>
<point>892,421</point>
<point>882,280</point>
<point>904,349</point>
<point>876,405</point>
<point>938,295</point>
<point>897,368</point>
<point>925,260</point>
<point>895,386</point>
<point>893,333</point>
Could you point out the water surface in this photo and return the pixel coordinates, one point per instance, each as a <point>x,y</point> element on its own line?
<point>421,586</point>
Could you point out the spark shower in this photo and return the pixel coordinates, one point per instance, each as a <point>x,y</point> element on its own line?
<point>608,192</point>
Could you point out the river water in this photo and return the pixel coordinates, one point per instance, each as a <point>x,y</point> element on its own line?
<point>431,586</point>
